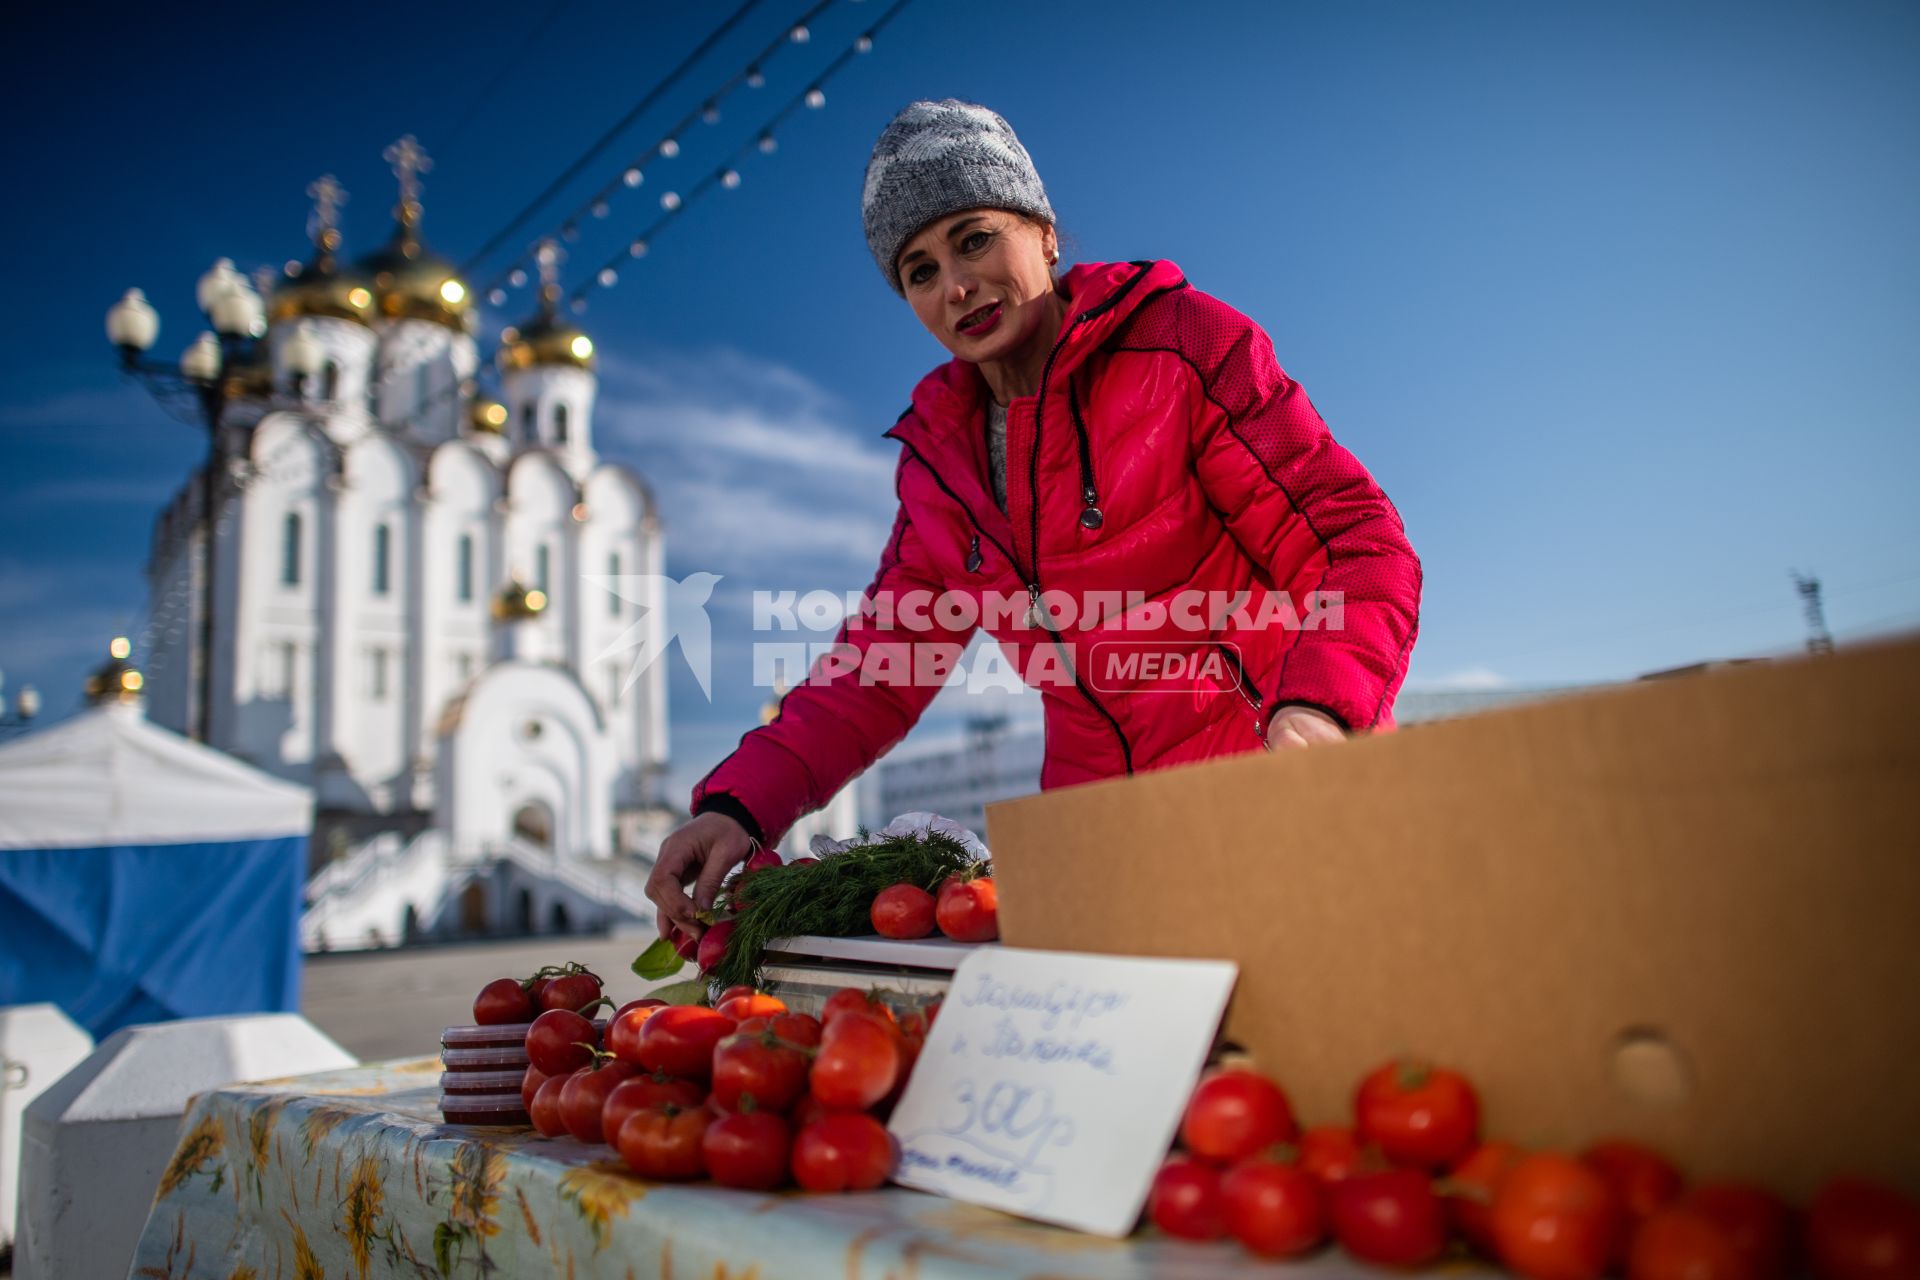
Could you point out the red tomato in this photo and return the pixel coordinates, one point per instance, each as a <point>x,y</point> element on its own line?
<point>1554,1218</point>
<point>713,945</point>
<point>1473,1183</point>
<point>638,1092</point>
<point>502,1001</point>
<point>1641,1177</point>
<point>854,1000</point>
<point>545,1111</point>
<point>585,1094</point>
<point>1233,1114</point>
<point>968,910</point>
<point>1184,1200</point>
<point>623,1033</point>
<point>902,911</point>
<point>679,1040</point>
<point>1391,1217</point>
<point>1418,1114</point>
<point>763,1067</point>
<point>858,1061</point>
<point>1680,1244</point>
<point>1758,1222</point>
<point>646,1003</point>
<point>748,1149</point>
<point>752,1005</point>
<point>1861,1230</point>
<point>1329,1152</point>
<point>571,991</point>
<point>1276,1210</point>
<point>801,1029</point>
<point>536,988</point>
<point>734,992</point>
<point>530,1085</point>
<point>843,1151</point>
<point>807,1110</point>
<point>560,1042</point>
<point>664,1143</point>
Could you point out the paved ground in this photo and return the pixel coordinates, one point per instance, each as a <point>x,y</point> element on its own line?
<point>392,1004</point>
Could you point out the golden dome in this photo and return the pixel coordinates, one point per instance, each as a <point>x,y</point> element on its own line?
<point>487,416</point>
<point>516,602</point>
<point>410,283</point>
<point>545,341</point>
<point>116,679</point>
<point>321,289</point>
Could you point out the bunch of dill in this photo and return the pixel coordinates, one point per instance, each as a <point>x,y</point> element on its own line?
<point>831,898</point>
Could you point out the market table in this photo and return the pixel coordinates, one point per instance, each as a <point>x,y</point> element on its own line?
<point>352,1174</point>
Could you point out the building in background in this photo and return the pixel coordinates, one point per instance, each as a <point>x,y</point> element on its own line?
<point>394,605</point>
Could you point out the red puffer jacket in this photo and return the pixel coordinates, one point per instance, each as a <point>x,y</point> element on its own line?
<point>1166,470</point>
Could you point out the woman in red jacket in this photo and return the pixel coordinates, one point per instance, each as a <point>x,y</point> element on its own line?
<point>1112,477</point>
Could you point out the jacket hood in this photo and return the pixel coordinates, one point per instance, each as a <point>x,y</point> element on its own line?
<point>1100,298</point>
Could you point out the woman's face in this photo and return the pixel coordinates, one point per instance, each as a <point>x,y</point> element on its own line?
<point>980,281</point>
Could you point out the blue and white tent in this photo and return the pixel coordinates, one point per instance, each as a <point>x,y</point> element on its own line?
<point>146,877</point>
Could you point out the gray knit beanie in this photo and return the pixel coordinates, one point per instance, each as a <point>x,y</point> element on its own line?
<point>937,158</point>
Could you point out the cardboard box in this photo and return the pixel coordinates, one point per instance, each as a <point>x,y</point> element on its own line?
<point>1686,911</point>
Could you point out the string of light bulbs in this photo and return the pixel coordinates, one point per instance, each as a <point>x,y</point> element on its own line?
<point>633,173</point>
<point>727,176</point>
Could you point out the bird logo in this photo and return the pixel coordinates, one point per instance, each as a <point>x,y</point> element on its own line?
<point>669,610</point>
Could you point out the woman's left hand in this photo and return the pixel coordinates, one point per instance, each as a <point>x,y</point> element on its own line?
<point>1301,727</point>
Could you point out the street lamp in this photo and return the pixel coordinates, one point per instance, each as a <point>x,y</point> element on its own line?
<point>195,390</point>
<point>20,716</point>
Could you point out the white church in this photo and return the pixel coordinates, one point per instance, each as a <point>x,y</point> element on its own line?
<point>406,613</point>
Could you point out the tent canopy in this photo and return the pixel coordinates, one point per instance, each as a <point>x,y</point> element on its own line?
<point>146,877</point>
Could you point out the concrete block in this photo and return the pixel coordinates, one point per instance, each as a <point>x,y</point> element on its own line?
<point>38,1045</point>
<point>96,1142</point>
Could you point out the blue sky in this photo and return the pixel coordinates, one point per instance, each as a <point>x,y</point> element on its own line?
<point>1618,302</point>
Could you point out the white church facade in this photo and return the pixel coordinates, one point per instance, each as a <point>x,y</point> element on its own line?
<point>408,606</point>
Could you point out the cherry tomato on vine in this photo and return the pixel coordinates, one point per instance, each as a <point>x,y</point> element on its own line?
<point>664,1143</point>
<point>902,911</point>
<point>1554,1218</point>
<point>1184,1200</point>
<point>545,1111</point>
<point>1275,1210</point>
<point>857,1063</point>
<point>1234,1113</point>
<point>842,1151</point>
<point>574,991</point>
<point>529,1085</point>
<point>501,1002</point>
<point>1473,1184</point>
<point>1758,1222</point>
<point>679,1040</point>
<point>1391,1217</point>
<point>560,1042</point>
<point>585,1094</point>
<point>638,1092</point>
<point>968,910</point>
<point>765,1067</point>
<point>748,1149</point>
<point>1418,1114</point>
<point>1860,1230</point>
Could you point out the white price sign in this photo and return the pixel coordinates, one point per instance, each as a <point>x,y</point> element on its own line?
<point>1052,1082</point>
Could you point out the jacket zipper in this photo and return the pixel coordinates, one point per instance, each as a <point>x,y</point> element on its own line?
<point>1249,694</point>
<point>1090,516</point>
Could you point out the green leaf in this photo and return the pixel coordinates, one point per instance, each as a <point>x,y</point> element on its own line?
<point>658,961</point>
<point>692,991</point>
<point>443,1236</point>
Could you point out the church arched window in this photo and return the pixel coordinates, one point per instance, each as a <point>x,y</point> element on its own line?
<point>290,550</point>
<point>463,573</point>
<point>527,412</point>
<point>613,571</point>
<point>560,424</point>
<point>542,570</point>
<point>329,381</point>
<point>382,559</point>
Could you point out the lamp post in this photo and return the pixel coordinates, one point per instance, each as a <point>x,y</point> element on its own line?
<point>18,715</point>
<point>195,390</point>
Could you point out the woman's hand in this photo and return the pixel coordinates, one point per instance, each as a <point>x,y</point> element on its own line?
<point>701,853</point>
<point>1301,727</point>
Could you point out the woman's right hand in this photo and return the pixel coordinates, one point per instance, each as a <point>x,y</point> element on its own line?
<point>699,853</point>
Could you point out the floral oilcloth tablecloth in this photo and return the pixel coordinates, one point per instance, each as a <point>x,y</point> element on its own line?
<point>351,1174</point>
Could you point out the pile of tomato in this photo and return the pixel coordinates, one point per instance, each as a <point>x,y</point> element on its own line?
<point>746,1092</point>
<point>1411,1180</point>
<point>965,910</point>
